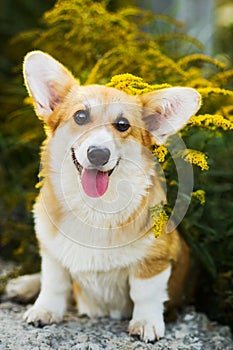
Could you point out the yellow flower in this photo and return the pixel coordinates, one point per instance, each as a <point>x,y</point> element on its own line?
<point>184,61</point>
<point>133,85</point>
<point>160,152</point>
<point>28,101</point>
<point>41,177</point>
<point>205,92</point>
<point>222,77</point>
<point>194,157</point>
<point>199,83</point>
<point>200,196</point>
<point>159,217</point>
<point>226,111</point>
<point>211,121</point>
<point>179,36</point>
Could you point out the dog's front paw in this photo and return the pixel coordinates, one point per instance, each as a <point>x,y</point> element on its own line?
<point>148,331</point>
<point>40,317</point>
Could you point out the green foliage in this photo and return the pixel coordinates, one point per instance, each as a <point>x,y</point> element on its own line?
<point>19,139</point>
<point>19,150</point>
<point>95,44</point>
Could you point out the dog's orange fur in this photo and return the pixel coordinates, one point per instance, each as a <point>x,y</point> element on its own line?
<point>167,249</point>
<point>133,256</point>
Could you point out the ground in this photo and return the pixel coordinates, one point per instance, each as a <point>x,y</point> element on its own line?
<point>191,331</point>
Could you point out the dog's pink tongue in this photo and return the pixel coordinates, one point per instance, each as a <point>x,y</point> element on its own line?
<point>94,182</point>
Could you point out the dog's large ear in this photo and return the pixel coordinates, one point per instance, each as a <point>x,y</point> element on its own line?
<point>166,111</point>
<point>47,81</point>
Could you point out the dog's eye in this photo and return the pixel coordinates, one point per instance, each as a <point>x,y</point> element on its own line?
<point>121,124</point>
<point>81,117</point>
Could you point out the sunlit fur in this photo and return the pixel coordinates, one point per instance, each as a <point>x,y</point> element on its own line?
<point>105,245</point>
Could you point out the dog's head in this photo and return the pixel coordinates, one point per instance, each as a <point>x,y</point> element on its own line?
<point>103,133</point>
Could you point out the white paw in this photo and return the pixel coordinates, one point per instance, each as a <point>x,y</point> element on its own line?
<point>39,316</point>
<point>148,331</point>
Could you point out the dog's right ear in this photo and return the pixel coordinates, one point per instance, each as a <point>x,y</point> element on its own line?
<point>47,81</point>
<point>166,111</point>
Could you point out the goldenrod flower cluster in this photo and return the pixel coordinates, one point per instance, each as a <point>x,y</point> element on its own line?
<point>160,153</point>
<point>211,121</point>
<point>133,85</point>
<point>159,217</point>
<point>186,60</point>
<point>226,111</point>
<point>205,92</point>
<point>194,157</point>
<point>41,175</point>
<point>222,78</point>
<point>199,195</point>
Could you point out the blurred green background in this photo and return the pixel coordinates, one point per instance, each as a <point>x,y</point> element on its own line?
<point>82,37</point>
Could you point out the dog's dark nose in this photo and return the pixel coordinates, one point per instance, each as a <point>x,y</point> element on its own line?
<point>98,156</point>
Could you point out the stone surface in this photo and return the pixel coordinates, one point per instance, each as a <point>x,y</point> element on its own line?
<point>191,331</point>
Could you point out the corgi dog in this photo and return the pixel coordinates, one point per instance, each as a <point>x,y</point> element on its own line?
<point>92,216</point>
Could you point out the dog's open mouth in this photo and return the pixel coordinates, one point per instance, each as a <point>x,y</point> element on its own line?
<point>94,181</point>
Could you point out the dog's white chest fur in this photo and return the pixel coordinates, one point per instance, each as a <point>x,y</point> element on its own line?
<point>104,293</point>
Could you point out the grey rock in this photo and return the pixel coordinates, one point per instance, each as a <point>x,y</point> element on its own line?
<point>191,331</point>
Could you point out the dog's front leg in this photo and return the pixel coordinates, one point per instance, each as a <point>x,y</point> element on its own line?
<point>52,300</point>
<point>148,295</point>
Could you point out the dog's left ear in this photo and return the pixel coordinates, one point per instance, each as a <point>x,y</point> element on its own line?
<point>166,111</point>
<point>47,81</point>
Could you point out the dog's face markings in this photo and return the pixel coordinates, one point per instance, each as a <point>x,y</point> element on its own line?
<point>108,126</point>
<point>100,128</point>
<point>96,153</point>
<point>94,180</point>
